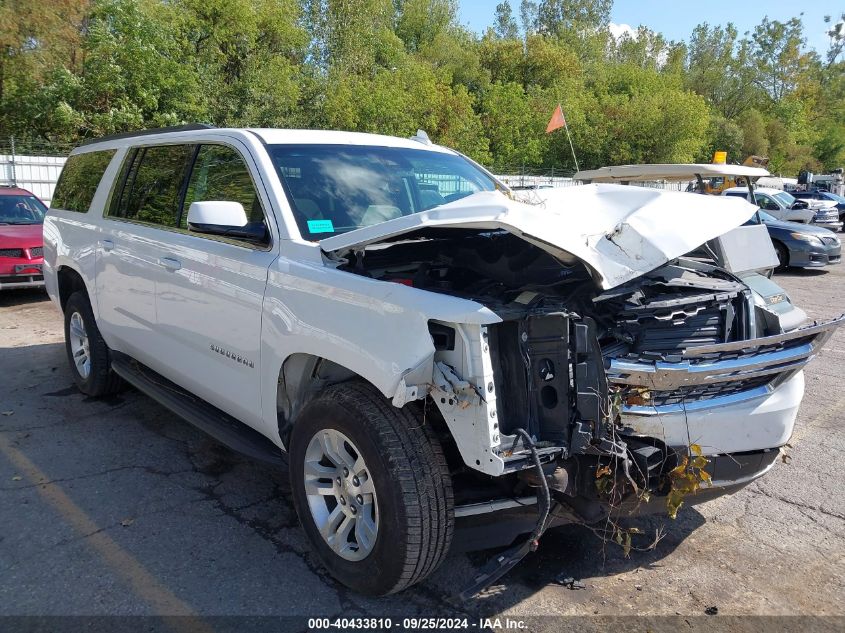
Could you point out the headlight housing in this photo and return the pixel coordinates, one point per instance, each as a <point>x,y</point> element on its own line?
<point>804,237</point>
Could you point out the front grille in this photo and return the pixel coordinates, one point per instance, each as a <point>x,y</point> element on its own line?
<point>830,240</point>
<point>11,252</point>
<point>18,279</point>
<point>658,328</point>
<point>826,216</point>
<point>736,369</point>
<point>38,251</point>
<point>694,393</point>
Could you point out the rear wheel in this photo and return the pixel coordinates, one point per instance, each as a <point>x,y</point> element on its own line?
<point>371,488</point>
<point>87,352</point>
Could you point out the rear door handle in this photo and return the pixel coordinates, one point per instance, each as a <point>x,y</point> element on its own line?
<point>107,245</point>
<point>170,263</point>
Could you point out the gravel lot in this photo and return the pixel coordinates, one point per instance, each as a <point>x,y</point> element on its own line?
<point>117,507</point>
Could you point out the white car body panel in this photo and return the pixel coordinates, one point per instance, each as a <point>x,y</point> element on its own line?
<point>627,232</point>
<point>804,216</point>
<point>383,334</point>
<point>767,421</point>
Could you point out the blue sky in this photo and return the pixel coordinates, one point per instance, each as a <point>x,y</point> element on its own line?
<point>676,18</point>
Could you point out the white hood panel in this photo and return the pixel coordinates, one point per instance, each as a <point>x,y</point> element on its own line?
<point>620,232</point>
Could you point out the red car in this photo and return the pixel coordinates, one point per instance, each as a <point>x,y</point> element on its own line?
<point>21,242</point>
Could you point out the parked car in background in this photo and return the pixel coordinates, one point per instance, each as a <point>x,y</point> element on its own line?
<point>826,196</point>
<point>801,245</point>
<point>777,203</point>
<point>21,244</point>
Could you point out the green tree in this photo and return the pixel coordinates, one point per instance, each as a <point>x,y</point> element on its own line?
<point>246,55</point>
<point>529,15</point>
<point>755,140</point>
<point>723,135</point>
<point>557,16</point>
<point>504,24</point>
<point>720,69</point>
<point>515,129</point>
<point>419,22</point>
<point>777,55</point>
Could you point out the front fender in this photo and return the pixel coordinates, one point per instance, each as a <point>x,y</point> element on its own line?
<point>376,329</point>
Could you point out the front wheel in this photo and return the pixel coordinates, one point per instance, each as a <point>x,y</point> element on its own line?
<point>371,488</point>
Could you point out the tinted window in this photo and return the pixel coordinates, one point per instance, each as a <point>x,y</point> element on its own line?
<point>153,178</point>
<point>21,210</point>
<point>79,180</point>
<point>220,174</point>
<point>338,188</point>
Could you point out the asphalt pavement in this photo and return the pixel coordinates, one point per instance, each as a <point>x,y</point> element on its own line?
<point>117,507</point>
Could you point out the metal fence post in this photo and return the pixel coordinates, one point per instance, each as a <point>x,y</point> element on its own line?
<point>12,164</point>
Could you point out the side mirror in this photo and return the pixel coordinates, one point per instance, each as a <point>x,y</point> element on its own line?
<point>227,218</point>
<point>204,216</point>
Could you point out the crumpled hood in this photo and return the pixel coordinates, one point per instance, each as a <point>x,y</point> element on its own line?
<point>620,232</point>
<point>820,204</point>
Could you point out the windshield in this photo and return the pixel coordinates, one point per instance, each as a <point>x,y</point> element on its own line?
<point>833,196</point>
<point>786,200</point>
<point>338,188</point>
<point>21,210</point>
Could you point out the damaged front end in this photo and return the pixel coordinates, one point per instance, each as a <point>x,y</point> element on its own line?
<point>611,378</point>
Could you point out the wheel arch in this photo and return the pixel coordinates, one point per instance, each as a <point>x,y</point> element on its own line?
<point>780,245</point>
<point>69,280</point>
<point>300,378</point>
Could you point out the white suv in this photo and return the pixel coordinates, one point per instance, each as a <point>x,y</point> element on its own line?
<point>430,353</point>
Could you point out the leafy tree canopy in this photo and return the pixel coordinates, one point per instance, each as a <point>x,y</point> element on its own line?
<point>75,69</point>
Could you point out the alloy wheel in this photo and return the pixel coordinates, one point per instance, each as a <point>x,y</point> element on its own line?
<point>341,495</point>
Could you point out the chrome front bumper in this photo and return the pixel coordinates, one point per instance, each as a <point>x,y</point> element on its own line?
<point>705,376</point>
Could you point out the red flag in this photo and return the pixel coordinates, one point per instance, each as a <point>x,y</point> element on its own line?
<point>557,120</point>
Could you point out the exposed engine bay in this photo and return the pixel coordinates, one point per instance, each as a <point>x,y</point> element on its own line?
<point>577,368</point>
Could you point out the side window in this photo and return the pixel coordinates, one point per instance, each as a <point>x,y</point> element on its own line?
<point>153,179</point>
<point>79,180</point>
<point>763,201</point>
<point>220,173</point>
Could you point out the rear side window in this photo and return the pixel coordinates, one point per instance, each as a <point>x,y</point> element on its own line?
<point>152,185</point>
<point>79,180</point>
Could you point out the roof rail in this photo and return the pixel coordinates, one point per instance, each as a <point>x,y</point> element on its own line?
<point>157,130</point>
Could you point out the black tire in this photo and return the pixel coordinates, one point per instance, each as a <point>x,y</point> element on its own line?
<point>411,480</point>
<point>101,380</point>
<point>783,255</point>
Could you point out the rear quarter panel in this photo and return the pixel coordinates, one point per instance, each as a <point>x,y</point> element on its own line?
<point>71,238</point>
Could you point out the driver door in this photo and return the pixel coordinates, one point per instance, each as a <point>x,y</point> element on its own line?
<point>210,299</point>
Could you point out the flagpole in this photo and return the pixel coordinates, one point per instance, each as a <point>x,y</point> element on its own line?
<point>566,127</point>
<point>555,123</point>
